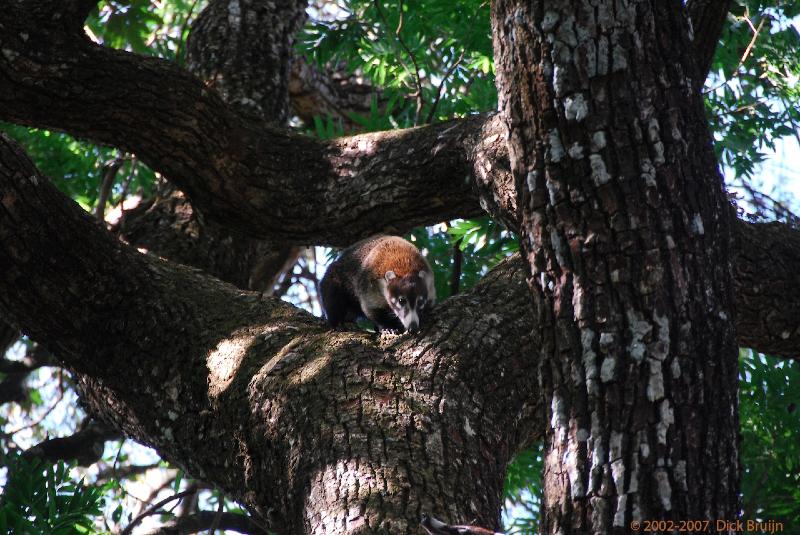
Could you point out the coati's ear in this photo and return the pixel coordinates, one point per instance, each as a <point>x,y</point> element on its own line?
<point>423,274</point>
<point>389,275</point>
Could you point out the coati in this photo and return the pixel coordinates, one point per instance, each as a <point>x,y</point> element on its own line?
<point>383,278</point>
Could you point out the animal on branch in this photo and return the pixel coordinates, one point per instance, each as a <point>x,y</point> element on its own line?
<point>383,278</point>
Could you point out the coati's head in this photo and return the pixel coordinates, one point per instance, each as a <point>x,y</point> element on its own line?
<point>408,297</point>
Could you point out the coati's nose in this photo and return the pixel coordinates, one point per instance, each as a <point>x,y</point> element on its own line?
<point>413,327</point>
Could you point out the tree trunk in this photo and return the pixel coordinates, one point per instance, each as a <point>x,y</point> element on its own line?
<point>626,229</point>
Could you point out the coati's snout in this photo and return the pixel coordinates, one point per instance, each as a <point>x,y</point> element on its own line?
<point>408,297</point>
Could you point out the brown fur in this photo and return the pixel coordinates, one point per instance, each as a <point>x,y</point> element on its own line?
<point>390,253</point>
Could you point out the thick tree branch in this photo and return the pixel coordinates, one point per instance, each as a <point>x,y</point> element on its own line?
<point>767,282</point>
<point>231,398</point>
<point>12,387</point>
<point>70,14</point>
<point>260,180</point>
<point>169,226</point>
<point>202,520</point>
<point>85,446</point>
<point>8,335</point>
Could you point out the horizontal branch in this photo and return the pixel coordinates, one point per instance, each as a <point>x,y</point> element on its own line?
<point>16,372</point>
<point>767,279</point>
<point>202,520</point>
<point>260,180</point>
<point>85,446</point>
<point>125,471</point>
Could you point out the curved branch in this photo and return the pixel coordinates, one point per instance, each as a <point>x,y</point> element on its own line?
<point>202,520</point>
<point>245,56</point>
<point>154,509</point>
<point>767,281</point>
<point>262,181</point>
<point>85,446</point>
<point>169,226</point>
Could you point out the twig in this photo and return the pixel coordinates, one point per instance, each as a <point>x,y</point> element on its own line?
<point>218,515</point>
<point>313,261</point>
<point>741,108</point>
<point>126,471</point>
<point>40,419</point>
<point>434,526</point>
<point>795,126</point>
<point>455,277</point>
<point>125,185</point>
<point>201,520</point>
<point>283,287</point>
<point>154,509</point>
<point>184,26</point>
<point>777,208</point>
<point>747,51</point>
<point>110,171</point>
<point>167,483</point>
<point>447,74</point>
<point>417,78</point>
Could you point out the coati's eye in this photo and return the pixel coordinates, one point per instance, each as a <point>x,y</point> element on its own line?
<point>421,301</point>
<point>402,301</point>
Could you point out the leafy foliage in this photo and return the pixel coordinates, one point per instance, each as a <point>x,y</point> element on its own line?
<point>419,52</point>
<point>144,26</point>
<point>753,95</point>
<point>522,492</point>
<point>770,422</point>
<point>77,167</point>
<point>40,498</point>
<point>482,244</point>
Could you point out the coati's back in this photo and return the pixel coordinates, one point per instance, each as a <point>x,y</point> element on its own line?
<point>384,278</point>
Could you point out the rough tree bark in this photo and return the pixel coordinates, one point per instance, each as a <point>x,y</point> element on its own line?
<point>627,232</point>
<point>243,50</point>
<point>344,432</point>
<point>320,432</point>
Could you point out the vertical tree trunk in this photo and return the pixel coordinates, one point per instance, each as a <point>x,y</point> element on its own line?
<point>626,228</point>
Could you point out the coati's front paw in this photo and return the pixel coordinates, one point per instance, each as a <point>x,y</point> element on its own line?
<point>391,332</point>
